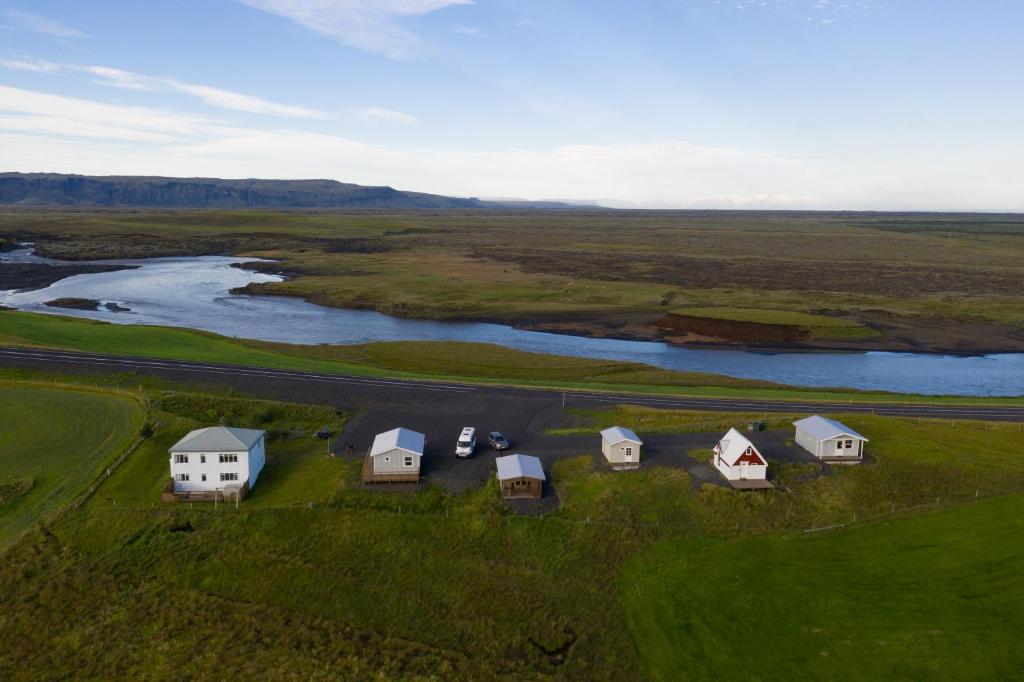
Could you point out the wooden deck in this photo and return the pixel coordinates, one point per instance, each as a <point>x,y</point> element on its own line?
<point>368,475</point>
<point>842,460</point>
<point>751,484</point>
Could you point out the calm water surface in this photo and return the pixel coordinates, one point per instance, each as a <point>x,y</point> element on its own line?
<point>194,292</point>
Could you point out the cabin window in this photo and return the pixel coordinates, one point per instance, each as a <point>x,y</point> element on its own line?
<point>181,477</point>
<point>629,452</point>
<point>181,459</point>
<point>227,459</point>
<point>849,444</point>
<point>229,477</point>
<point>839,445</point>
<point>408,460</point>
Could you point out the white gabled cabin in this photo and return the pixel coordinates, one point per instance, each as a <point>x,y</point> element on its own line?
<point>621,447</point>
<point>740,461</point>
<point>217,458</point>
<point>395,455</point>
<point>828,439</point>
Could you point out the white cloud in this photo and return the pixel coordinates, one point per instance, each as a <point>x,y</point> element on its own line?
<point>364,24</point>
<point>386,115</point>
<point>43,132</point>
<point>33,65</point>
<point>38,24</point>
<point>473,31</point>
<point>128,80</point>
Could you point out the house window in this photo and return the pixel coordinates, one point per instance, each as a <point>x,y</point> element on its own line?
<point>204,477</point>
<point>839,445</point>
<point>181,459</point>
<point>202,459</point>
<point>408,460</point>
<point>849,444</point>
<point>229,477</point>
<point>228,459</point>
<point>181,477</point>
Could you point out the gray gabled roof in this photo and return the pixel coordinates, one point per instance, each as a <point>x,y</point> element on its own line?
<point>519,466</point>
<point>617,434</point>
<point>403,439</point>
<point>218,438</point>
<point>823,428</point>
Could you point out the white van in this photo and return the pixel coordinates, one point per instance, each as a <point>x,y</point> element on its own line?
<point>467,442</point>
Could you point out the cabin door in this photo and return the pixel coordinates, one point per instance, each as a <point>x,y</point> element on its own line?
<point>744,468</point>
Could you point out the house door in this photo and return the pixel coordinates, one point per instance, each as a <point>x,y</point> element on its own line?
<point>744,467</point>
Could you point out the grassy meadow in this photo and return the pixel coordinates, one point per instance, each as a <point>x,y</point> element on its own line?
<point>935,597</point>
<point>903,281</point>
<point>316,577</point>
<point>53,443</point>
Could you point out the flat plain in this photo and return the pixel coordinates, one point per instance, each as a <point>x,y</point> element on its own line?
<point>941,282</point>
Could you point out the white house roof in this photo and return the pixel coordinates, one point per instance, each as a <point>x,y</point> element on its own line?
<point>733,446</point>
<point>223,438</point>
<point>823,428</point>
<point>403,439</point>
<point>617,434</point>
<point>519,466</point>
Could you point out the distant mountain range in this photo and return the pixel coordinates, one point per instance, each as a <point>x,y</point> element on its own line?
<point>53,189</point>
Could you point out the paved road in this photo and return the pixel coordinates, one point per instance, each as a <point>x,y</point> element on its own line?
<point>353,391</point>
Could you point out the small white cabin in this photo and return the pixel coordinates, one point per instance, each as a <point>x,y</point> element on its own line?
<point>740,461</point>
<point>621,447</point>
<point>217,458</point>
<point>397,452</point>
<point>829,440</point>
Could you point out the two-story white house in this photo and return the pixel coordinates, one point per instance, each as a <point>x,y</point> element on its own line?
<point>217,458</point>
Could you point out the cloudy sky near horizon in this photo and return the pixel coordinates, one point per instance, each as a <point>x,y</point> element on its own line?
<point>840,104</point>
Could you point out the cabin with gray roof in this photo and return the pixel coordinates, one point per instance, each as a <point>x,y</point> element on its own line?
<point>520,476</point>
<point>394,457</point>
<point>830,440</point>
<point>218,461</point>
<point>740,462</point>
<point>621,447</point>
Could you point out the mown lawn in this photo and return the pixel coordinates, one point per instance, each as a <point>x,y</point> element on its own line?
<point>934,597</point>
<point>52,443</point>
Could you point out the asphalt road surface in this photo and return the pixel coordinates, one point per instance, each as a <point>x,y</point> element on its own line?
<point>433,397</point>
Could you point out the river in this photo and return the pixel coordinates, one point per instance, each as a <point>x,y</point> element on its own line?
<point>195,292</point>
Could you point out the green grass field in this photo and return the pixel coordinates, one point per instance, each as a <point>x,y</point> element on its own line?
<point>52,444</point>
<point>316,577</point>
<point>934,597</point>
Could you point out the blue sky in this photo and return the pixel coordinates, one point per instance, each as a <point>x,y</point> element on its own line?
<point>880,104</point>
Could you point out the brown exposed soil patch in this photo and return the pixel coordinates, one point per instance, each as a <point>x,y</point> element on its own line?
<point>29,276</point>
<point>730,330</point>
<point>74,303</point>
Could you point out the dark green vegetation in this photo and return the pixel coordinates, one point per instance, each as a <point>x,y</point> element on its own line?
<point>934,597</point>
<point>54,443</point>
<point>481,363</point>
<point>74,190</point>
<point>840,280</point>
<point>316,577</point>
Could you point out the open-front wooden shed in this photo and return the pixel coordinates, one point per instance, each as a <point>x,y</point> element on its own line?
<point>520,476</point>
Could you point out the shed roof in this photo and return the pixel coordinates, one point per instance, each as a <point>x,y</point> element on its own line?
<point>403,439</point>
<point>823,428</point>
<point>224,438</point>
<point>734,445</point>
<point>617,434</point>
<point>519,466</point>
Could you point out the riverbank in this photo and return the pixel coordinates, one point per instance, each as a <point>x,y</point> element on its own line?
<point>430,361</point>
<point>935,283</point>
<point>32,276</point>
